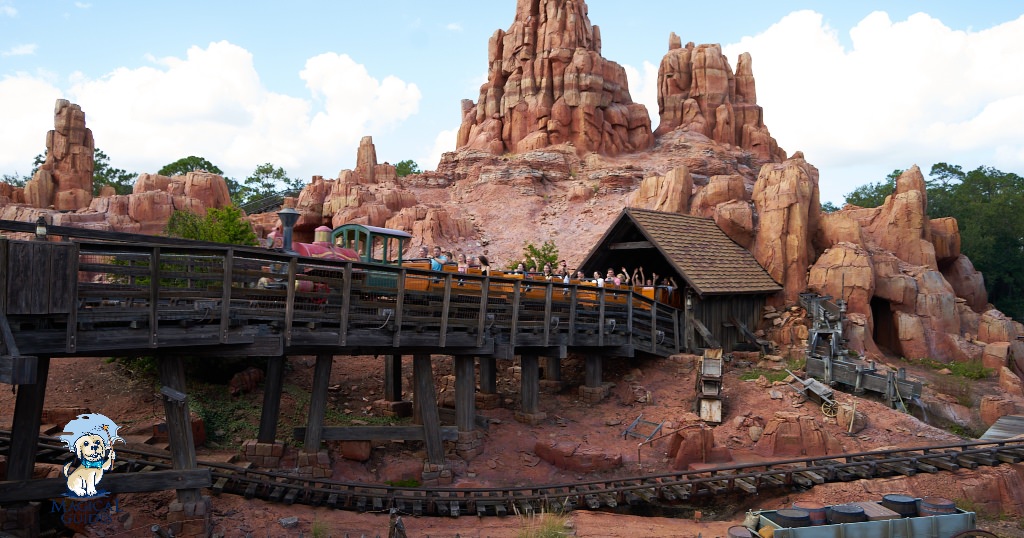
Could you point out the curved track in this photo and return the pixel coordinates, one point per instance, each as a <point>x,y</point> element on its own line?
<point>590,494</point>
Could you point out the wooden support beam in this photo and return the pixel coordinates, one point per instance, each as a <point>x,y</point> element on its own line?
<point>346,305</point>
<point>631,245</point>
<point>28,411</point>
<point>514,329</point>
<point>446,304</point>
<point>426,395</point>
<point>553,368</point>
<point>289,311</point>
<point>271,399</point>
<point>530,382</point>
<point>154,297</point>
<point>592,370</point>
<point>378,433</point>
<point>482,314</point>
<point>225,295</point>
<point>18,370</point>
<point>48,488</point>
<point>547,313</point>
<point>465,392</point>
<point>399,308</point>
<point>318,402</point>
<point>179,423</point>
<point>393,377</point>
<point>488,375</point>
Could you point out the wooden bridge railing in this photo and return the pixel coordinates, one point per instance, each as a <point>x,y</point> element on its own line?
<point>134,296</point>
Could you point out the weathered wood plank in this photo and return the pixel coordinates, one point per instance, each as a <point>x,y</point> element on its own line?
<point>547,314</point>
<point>154,297</point>
<point>465,397</point>
<point>271,399</point>
<point>63,275</point>
<point>399,308</point>
<point>289,313</point>
<point>346,305</point>
<point>442,331</point>
<point>28,410</point>
<point>179,423</point>
<point>530,382</point>
<point>225,297</point>
<point>631,245</point>
<point>318,402</point>
<point>46,488</point>
<point>426,397</point>
<point>4,270</point>
<point>18,370</point>
<point>600,317</point>
<point>514,329</point>
<point>393,377</point>
<point>378,433</point>
<point>7,337</point>
<point>482,314</point>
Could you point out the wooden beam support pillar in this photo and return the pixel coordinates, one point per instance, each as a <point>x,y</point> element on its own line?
<point>426,398</point>
<point>179,421</point>
<point>271,400</point>
<point>465,392</point>
<point>553,369</point>
<point>28,411</point>
<point>318,403</point>
<point>488,375</point>
<point>592,370</point>
<point>530,382</point>
<point>393,378</point>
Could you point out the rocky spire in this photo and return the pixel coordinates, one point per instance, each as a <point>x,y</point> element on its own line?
<point>65,179</point>
<point>697,90</point>
<point>548,84</point>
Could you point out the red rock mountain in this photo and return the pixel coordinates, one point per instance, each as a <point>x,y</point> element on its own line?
<point>554,149</point>
<point>547,84</point>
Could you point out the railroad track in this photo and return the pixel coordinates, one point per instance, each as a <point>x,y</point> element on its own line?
<point>667,488</point>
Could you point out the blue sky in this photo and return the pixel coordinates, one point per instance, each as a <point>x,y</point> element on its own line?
<point>861,88</point>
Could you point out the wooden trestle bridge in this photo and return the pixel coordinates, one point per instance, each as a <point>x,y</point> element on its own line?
<point>99,294</point>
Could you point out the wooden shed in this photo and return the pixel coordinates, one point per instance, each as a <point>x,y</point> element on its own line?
<point>721,285</point>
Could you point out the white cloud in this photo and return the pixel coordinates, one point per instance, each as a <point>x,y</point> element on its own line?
<point>905,92</point>
<point>24,49</point>
<point>643,88</point>
<point>444,141</point>
<point>454,26</point>
<point>212,103</point>
<point>26,106</point>
<point>83,5</point>
<point>8,10</point>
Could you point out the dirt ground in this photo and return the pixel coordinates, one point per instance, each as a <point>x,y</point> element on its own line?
<point>659,389</point>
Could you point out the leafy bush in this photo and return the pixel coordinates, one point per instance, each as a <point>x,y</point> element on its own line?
<point>546,253</point>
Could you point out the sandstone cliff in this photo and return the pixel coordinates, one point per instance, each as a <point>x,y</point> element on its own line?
<point>64,180</point>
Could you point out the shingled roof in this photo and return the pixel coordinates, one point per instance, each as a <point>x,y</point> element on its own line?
<point>710,261</point>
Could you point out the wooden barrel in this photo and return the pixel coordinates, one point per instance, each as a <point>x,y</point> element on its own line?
<point>739,531</point>
<point>936,506</point>
<point>846,513</point>
<point>903,505</point>
<point>815,510</point>
<point>792,518</point>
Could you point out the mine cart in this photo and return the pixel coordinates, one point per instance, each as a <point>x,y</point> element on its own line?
<point>708,403</point>
<point>823,392</point>
<point>956,524</point>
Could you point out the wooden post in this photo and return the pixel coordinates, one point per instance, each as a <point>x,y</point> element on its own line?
<point>488,375</point>
<point>179,423</point>
<point>426,396</point>
<point>271,400</point>
<point>28,411</point>
<point>553,369</point>
<point>465,392</point>
<point>393,378</point>
<point>530,382</point>
<point>592,370</point>
<point>318,403</point>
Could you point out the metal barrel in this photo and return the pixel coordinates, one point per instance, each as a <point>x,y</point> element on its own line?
<point>792,518</point>
<point>739,531</point>
<point>904,505</point>
<point>846,513</point>
<point>936,506</point>
<point>815,510</point>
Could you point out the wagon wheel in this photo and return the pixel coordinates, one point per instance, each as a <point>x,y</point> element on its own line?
<point>829,409</point>
<point>974,533</point>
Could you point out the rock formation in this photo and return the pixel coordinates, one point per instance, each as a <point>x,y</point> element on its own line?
<point>64,180</point>
<point>548,84</point>
<point>698,91</point>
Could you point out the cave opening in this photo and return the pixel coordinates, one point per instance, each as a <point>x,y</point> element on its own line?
<point>885,332</point>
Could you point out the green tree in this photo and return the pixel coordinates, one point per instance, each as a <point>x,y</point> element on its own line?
<point>105,174</point>
<point>546,253</point>
<point>225,225</point>
<point>189,164</point>
<point>407,167</point>
<point>17,180</point>
<point>987,204</point>
<point>873,194</point>
<point>829,207</point>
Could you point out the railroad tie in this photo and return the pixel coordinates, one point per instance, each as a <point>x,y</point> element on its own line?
<point>454,508</point>
<point>942,461</point>
<point>218,486</point>
<point>289,498</point>
<point>250,490</point>
<point>745,485</point>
